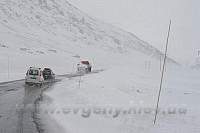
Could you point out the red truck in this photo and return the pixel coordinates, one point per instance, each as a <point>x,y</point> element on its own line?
<point>84,66</point>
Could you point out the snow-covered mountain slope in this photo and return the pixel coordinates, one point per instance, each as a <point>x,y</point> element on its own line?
<point>149,21</point>
<point>47,25</point>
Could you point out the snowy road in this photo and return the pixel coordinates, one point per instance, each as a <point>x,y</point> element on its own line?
<point>17,102</point>
<point>15,97</point>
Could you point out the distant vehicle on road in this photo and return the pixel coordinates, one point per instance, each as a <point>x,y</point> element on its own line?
<point>84,66</point>
<point>48,74</point>
<point>34,76</point>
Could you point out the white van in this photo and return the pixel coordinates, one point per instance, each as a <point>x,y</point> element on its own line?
<point>34,76</point>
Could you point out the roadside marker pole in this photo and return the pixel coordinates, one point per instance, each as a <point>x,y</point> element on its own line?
<point>80,80</point>
<point>8,67</point>
<point>162,73</point>
<point>160,62</point>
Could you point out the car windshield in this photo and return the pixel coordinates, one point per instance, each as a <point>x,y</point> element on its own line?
<point>33,72</point>
<point>48,72</point>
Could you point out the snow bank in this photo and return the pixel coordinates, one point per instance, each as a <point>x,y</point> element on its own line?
<point>122,87</point>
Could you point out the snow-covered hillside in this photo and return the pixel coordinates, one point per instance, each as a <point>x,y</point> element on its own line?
<point>57,20</point>
<point>149,21</point>
<point>44,30</point>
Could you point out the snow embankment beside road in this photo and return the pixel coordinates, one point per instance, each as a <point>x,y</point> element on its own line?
<point>122,99</point>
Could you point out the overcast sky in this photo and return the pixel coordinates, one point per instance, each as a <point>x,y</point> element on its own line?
<point>149,19</point>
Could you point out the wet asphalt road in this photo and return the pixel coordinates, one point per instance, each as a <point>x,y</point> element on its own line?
<point>18,104</point>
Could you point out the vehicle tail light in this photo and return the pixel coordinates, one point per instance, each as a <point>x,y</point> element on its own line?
<point>51,76</point>
<point>40,73</point>
<point>27,72</point>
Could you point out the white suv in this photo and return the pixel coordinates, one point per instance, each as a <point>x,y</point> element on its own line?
<point>34,75</point>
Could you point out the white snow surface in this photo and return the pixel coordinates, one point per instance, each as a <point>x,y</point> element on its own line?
<point>126,70</point>
<point>123,86</point>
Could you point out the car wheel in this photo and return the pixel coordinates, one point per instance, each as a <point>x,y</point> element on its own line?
<point>41,84</point>
<point>38,85</point>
